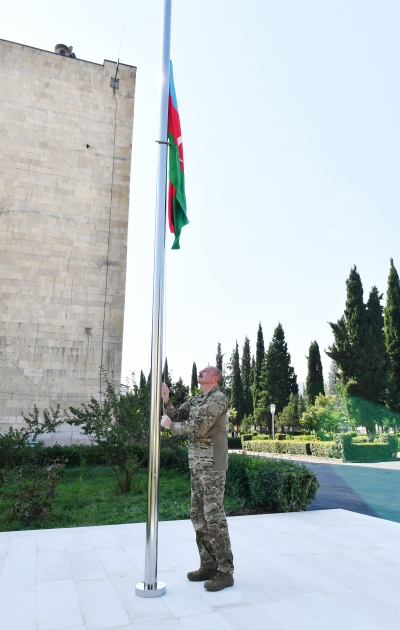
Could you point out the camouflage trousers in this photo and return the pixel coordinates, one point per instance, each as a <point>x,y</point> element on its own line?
<point>209,521</point>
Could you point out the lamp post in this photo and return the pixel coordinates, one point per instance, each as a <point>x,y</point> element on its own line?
<point>272,409</point>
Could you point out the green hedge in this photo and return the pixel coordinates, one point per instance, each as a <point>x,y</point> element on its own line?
<point>274,485</point>
<point>383,449</point>
<point>325,449</point>
<point>235,443</point>
<point>345,446</point>
<point>246,437</point>
<point>72,456</point>
<point>288,447</point>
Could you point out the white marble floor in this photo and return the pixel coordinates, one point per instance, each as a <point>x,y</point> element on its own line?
<point>309,570</point>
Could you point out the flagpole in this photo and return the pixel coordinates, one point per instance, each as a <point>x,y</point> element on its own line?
<point>150,587</point>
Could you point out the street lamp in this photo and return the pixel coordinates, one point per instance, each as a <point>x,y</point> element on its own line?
<point>272,409</point>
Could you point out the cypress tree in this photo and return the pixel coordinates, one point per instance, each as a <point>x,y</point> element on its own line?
<point>219,358</point>
<point>258,366</point>
<point>252,370</point>
<point>373,382</point>
<point>142,380</point>
<point>178,393</point>
<point>392,337</point>
<point>236,386</point>
<point>349,332</point>
<point>278,379</point>
<point>166,377</point>
<point>360,354</point>
<point>246,379</point>
<point>194,382</point>
<point>315,379</point>
<point>333,379</point>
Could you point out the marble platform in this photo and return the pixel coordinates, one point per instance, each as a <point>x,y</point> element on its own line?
<point>301,571</point>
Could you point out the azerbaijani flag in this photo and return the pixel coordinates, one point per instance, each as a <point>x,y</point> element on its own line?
<point>176,187</point>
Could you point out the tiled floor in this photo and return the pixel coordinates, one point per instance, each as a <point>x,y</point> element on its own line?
<point>311,570</point>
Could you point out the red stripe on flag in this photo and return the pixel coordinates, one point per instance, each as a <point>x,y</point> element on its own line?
<point>174,128</point>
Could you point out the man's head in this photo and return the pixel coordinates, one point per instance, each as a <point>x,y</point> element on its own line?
<point>71,49</point>
<point>209,378</point>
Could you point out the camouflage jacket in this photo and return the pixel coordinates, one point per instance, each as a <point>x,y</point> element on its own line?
<point>204,419</point>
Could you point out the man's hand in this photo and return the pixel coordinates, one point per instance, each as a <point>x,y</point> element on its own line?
<point>165,393</point>
<point>165,421</point>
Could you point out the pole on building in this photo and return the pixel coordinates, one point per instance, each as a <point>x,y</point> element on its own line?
<point>150,587</point>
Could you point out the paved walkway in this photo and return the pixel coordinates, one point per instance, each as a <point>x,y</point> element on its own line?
<point>302,571</point>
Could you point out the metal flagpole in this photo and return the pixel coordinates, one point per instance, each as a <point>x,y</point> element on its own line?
<point>150,587</point>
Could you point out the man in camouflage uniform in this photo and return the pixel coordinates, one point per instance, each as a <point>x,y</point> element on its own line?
<point>204,421</point>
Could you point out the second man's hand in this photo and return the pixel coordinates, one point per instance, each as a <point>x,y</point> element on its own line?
<point>166,422</point>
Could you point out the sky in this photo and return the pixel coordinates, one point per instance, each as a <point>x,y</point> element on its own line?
<point>290,121</point>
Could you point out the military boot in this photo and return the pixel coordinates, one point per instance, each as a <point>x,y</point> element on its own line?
<point>204,573</point>
<point>219,581</point>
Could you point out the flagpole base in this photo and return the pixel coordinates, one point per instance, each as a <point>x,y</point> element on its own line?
<point>141,590</point>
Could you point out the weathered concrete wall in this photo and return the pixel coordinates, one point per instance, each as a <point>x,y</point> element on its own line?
<point>65,157</point>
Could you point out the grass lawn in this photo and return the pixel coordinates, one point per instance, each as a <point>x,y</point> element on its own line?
<point>89,496</point>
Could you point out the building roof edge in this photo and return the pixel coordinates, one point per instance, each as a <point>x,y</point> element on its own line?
<point>8,41</point>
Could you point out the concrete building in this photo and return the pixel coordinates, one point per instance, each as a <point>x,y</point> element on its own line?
<point>65,159</point>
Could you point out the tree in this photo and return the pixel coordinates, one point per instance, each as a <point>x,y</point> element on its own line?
<point>315,379</point>
<point>116,425</point>
<point>392,337</point>
<point>349,331</point>
<point>166,376</point>
<point>333,379</point>
<point>360,354</point>
<point>142,380</point>
<point>376,363</point>
<point>237,401</point>
<point>194,383</point>
<point>325,415</point>
<point>246,379</point>
<point>178,393</point>
<point>258,365</point>
<point>289,416</point>
<point>219,358</point>
<point>278,379</point>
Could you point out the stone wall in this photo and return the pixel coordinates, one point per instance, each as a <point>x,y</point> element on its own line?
<point>65,158</point>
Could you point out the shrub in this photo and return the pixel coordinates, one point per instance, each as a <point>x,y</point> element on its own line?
<point>289,447</point>
<point>114,425</point>
<point>383,450</point>
<point>234,442</point>
<point>247,437</point>
<point>276,486</point>
<point>174,458</point>
<point>325,449</point>
<point>72,455</point>
<point>16,441</point>
<point>306,438</point>
<point>35,493</point>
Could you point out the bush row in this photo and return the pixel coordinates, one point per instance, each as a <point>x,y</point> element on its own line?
<point>274,485</point>
<point>345,447</point>
<point>75,455</point>
<point>277,446</point>
<point>383,449</point>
